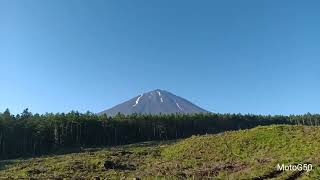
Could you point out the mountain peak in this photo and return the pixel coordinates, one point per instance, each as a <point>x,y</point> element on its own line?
<point>158,90</point>
<point>155,102</point>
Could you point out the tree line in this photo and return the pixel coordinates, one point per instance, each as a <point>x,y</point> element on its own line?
<point>28,134</point>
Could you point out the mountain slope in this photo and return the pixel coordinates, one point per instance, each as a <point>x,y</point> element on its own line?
<point>155,102</point>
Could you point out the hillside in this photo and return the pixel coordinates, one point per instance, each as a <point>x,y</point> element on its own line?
<point>245,154</point>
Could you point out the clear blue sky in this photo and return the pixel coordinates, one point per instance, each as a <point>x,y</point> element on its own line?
<point>260,57</point>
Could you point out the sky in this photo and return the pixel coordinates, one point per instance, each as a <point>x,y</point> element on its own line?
<point>226,56</point>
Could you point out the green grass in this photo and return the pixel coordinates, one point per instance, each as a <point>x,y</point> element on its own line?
<point>248,153</point>
<point>245,154</point>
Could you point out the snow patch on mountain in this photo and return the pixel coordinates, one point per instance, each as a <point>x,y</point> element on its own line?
<point>179,106</point>
<point>159,93</point>
<point>137,101</point>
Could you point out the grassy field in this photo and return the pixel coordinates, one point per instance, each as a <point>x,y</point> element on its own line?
<point>245,154</point>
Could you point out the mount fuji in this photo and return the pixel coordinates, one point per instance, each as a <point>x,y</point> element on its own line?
<point>154,103</point>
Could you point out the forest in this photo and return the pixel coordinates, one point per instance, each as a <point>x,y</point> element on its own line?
<point>28,134</point>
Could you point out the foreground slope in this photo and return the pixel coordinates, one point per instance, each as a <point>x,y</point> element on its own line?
<point>155,102</point>
<point>245,154</point>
